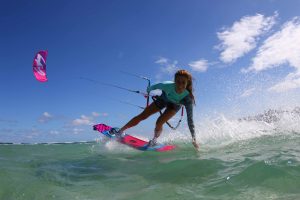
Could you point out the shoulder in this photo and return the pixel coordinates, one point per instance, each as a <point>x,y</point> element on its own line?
<point>186,92</point>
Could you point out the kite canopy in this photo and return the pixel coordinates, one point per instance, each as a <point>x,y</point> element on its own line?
<point>39,66</point>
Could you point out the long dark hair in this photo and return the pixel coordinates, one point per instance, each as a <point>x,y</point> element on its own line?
<point>189,86</point>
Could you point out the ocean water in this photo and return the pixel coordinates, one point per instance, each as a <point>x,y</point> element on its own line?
<point>237,160</point>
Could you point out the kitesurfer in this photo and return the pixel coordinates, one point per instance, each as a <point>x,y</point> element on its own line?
<point>174,94</point>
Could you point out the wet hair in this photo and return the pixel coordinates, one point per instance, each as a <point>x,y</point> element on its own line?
<point>189,77</point>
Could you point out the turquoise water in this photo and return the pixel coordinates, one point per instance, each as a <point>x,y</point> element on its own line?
<point>263,167</point>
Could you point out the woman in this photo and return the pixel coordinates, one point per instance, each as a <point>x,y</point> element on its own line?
<point>174,94</point>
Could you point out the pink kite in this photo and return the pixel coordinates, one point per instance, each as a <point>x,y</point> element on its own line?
<point>39,66</point>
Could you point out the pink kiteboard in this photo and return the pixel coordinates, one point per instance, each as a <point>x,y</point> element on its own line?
<point>132,141</point>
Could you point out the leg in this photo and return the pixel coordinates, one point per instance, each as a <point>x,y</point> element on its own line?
<point>168,114</point>
<point>150,110</point>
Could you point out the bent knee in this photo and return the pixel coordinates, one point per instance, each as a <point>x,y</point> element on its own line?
<point>159,123</point>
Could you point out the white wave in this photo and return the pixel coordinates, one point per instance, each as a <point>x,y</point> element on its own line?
<point>223,130</point>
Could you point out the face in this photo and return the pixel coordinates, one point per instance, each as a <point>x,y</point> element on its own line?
<point>181,83</point>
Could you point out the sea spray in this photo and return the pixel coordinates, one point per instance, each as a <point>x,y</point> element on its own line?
<point>223,130</point>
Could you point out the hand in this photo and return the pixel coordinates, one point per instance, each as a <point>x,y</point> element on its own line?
<point>196,145</point>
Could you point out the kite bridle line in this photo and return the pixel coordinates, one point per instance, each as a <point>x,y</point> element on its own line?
<point>128,103</point>
<point>144,78</point>
<point>115,86</point>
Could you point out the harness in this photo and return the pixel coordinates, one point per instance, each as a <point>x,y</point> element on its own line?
<point>154,98</point>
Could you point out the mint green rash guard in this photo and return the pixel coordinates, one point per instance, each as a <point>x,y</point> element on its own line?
<point>169,94</point>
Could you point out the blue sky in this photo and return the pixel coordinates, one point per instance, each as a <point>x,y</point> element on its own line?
<point>244,56</point>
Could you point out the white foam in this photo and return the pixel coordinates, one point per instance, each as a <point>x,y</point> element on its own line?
<point>222,130</point>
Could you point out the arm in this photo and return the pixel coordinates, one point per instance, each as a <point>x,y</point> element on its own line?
<point>188,103</point>
<point>154,87</point>
<point>162,86</point>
